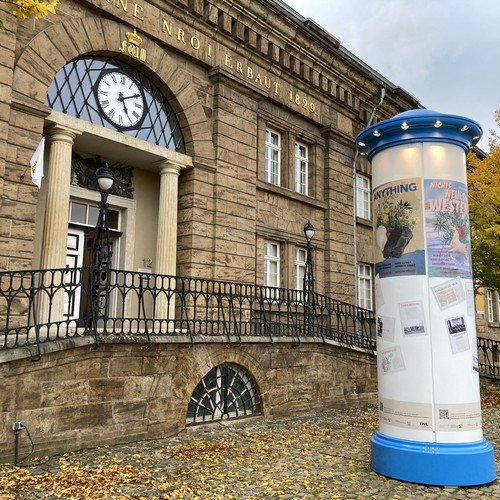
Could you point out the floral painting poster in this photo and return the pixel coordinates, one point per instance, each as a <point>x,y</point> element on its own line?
<point>399,233</point>
<point>447,229</point>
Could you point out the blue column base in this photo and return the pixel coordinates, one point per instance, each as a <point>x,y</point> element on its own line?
<point>438,464</point>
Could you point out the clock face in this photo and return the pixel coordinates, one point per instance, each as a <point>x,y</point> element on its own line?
<point>120,98</point>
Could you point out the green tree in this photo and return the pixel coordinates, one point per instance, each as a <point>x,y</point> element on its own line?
<point>484,207</point>
<point>30,8</point>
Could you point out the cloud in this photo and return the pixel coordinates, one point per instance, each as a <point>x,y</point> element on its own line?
<point>445,53</point>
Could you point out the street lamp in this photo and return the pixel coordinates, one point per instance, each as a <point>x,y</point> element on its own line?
<point>308,284</point>
<point>102,252</point>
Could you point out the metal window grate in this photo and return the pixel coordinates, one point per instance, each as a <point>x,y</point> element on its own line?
<point>225,392</point>
<point>73,92</point>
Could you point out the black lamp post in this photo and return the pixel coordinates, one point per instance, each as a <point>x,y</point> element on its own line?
<point>102,252</point>
<point>308,285</point>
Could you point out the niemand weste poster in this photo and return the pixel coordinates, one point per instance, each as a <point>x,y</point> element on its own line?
<point>399,232</point>
<point>447,229</point>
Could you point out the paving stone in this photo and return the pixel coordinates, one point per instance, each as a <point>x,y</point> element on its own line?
<point>324,457</point>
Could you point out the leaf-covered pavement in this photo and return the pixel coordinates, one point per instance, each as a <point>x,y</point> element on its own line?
<point>325,457</point>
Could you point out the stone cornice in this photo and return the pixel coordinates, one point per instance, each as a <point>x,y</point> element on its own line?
<point>29,106</point>
<point>307,52</point>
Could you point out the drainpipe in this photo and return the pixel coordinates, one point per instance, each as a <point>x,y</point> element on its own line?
<point>382,95</point>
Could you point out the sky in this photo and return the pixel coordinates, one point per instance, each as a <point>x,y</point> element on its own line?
<point>445,53</point>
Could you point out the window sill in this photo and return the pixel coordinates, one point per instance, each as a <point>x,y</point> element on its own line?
<point>364,222</point>
<point>288,193</point>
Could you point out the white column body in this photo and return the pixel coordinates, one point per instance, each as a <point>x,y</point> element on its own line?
<point>55,234</point>
<point>166,246</point>
<point>426,337</point>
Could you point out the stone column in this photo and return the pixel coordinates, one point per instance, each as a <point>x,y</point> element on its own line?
<point>166,243</point>
<point>55,235</point>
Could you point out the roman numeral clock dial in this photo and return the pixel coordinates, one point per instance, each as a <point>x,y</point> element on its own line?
<point>120,99</point>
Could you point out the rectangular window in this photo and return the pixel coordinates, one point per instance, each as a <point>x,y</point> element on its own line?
<point>271,267</point>
<point>489,305</point>
<point>301,168</point>
<point>365,286</point>
<point>363,197</point>
<point>87,214</point>
<point>299,268</point>
<point>273,157</point>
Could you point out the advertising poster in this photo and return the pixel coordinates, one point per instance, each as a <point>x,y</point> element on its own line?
<point>416,416</point>
<point>399,233</point>
<point>447,229</point>
<point>458,417</point>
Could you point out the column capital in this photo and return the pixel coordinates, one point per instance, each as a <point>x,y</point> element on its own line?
<point>64,134</point>
<point>167,166</point>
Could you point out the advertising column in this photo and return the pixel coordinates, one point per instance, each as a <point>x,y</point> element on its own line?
<point>430,429</point>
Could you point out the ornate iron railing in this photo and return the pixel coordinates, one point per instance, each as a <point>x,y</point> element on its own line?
<point>37,307</point>
<point>488,351</point>
<point>46,305</point>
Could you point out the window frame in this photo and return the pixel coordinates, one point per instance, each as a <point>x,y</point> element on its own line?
<point>363,197</point>
<point>299,268</point>
<point>301,168</point>
<point>493,305</point>
<point>272,175</point>
<point>270,259</point>
<point>365,284</point>
<point>489,306</point>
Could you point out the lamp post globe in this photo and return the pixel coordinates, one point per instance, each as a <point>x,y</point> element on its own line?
<point>309,231</point>
<point>105,178</point>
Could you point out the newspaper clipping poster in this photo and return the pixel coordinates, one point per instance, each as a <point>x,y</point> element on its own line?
<point>392,360</point>
<point>385,328</point>
<point>469,293</point>
<point>457,333</point>
<point>449,293</point>
<point>412,318</point>
<point>475,358</point>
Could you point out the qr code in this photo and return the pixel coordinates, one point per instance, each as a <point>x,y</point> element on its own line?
<point>444,414</point>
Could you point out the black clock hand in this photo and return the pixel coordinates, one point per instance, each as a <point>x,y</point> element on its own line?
<point>129,97</point>
<point>122,99</point>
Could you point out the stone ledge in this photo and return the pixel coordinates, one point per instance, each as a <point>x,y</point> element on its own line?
<point>31,351</point>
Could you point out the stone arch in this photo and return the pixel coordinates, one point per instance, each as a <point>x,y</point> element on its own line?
<point>52,48</point>
<point>206,357</point>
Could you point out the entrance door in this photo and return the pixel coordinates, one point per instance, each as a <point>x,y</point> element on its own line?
<point>74,277</point>
<point>78,262</point>
<point>81,232</point>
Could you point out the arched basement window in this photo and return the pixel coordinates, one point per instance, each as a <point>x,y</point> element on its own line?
<point>81,88</point>
<point>225,392</point>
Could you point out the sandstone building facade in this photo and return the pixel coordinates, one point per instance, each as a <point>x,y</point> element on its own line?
<point>262,110</point>
<point>234,125</point>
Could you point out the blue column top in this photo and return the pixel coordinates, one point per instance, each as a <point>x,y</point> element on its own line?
<point>418,125</point>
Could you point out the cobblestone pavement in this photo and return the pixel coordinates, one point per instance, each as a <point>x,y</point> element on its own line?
<point>325,457</point>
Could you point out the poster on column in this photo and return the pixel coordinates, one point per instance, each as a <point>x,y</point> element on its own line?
<point>447,229</point>
<point>399,232</point>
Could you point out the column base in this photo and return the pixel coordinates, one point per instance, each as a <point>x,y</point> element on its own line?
<point>438,464</point>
